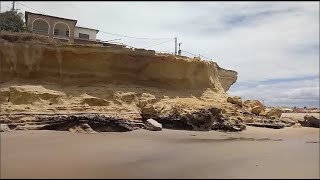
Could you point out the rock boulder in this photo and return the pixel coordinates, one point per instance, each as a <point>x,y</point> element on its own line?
<point>275,112</point>
<point>255,106</point>
<point>267,125</point>
<point>252,103</point>
<point>82,128</point>
<point>235,100</point>
<point>310,121</point>
<point>263,113</point>
<point>4,128</point>
<point>297,125</point>
<point>200,120</point>
<point>153,125</point>
<point>288,121</point>
<point>257,110</point>
<point>93,101</point>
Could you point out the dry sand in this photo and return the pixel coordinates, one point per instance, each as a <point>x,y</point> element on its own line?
<point>254,153</point>
<point>299,115</point>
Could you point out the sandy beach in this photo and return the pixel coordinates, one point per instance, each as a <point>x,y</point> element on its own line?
<point>254,153</point>
<point>121,99</point>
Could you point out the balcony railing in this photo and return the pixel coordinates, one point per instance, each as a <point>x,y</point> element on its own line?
<point>62,39</point>
<point>41,31</point>
<point>85,39</point>
<point>61,34</point>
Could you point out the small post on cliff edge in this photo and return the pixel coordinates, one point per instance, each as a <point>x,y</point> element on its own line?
<point>12,5</point>
<point>175,45</point>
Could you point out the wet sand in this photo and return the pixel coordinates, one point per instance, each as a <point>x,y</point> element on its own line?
<point>254,153</point>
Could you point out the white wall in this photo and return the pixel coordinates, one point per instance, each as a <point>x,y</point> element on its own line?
<point>92,33</point>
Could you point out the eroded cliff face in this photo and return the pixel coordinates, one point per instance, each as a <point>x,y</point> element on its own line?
<point>227,78</point>
<point>85,65</point>
<point>57,78</point>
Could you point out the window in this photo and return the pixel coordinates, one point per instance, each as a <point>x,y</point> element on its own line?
<point>83,36</point>
<point>56,31</point>
<point>40,26</point>
<point>61,29</point>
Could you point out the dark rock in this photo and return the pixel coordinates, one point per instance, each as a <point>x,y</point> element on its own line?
<point>229,126</point>
<point>97,123</point>
<point>245,112</point>
<point>310,121</point>
<point>267,125</point>
<point>82,128</point>
<point>202,120</point>
<point>304,123</point>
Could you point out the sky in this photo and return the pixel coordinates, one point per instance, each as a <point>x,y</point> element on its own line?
<point>274,46</point>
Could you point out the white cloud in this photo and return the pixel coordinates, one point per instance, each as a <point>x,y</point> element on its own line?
<point>260,40</point>
<point>291,92</point>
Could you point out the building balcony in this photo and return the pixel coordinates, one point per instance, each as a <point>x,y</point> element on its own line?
<point>41,31</point>
<point>84,39</point>
<point>61,35</point>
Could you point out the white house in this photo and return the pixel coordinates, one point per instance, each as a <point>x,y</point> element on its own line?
<point>84,33</point>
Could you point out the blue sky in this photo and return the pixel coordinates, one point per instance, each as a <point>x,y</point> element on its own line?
<point>274,46</point>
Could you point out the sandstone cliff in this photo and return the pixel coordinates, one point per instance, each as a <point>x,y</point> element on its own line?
<point>38,76</point>
<point>87,65</point>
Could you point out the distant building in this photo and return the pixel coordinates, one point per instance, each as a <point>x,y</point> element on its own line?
<point>85,35</point>
<point>59,28</point>
<point>287,110</point>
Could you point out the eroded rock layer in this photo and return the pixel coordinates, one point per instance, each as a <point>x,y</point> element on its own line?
<point>88,65</point>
